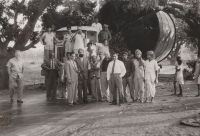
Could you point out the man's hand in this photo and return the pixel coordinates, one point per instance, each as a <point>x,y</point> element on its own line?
<point>156,81</point>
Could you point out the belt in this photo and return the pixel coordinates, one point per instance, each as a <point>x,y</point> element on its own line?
<point>115,73</point>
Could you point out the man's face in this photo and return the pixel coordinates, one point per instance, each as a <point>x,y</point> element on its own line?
<point>69,29</point>
<point>17,54</point>
<point>94,58</point>
<point>101,55</point>
<point>49,29</point>
<point>73,56</point>
<point>125,56</point>
<point>137,55</point>
<point>79,31</point>
<point>107,56</point>
<point>149,57</point>
<point>96,20</point>
<point>115,57</point>
<point>68,56</point>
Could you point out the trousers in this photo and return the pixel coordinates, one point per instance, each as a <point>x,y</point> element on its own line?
<point>72,91</point>
<point>105,87</point>
<point>82,90</point>
<point>12,85</point>
<point>128,82</point>
<point>52,84</point>
<point>116,84</point>
<point>139,88</point>
<point>96,88</point>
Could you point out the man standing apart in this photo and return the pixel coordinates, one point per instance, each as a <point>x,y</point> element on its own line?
<point>95,78</point>
<point>72,79</point>
<point>138,65</point>
<point>104,34</point>
<point>116,70</point>
<point>47,40</point>
<point>97,25</point>
<point>104,82</point>
<point>82,64</point>
<point>127,79</point>
<point>15,71</point>
<point>52,68</point>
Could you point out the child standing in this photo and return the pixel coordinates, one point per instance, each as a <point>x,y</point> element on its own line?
<point>179,76</point>
<point>151,76</point>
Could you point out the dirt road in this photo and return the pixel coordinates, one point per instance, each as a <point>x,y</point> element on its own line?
<point>38,117</point>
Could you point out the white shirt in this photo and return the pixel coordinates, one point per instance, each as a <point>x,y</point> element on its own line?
<point>119,68</point>
<point>98,26</point>
<point>150,70</point>
<point>48,39</point>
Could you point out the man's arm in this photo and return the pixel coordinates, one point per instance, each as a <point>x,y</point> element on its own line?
<point>123,69</point>
<point>56,38</point>
<point>67,71</point>
<point>42,38</point>
<point>8,67</point>
<point>109,71</point>
<point>109,35</point>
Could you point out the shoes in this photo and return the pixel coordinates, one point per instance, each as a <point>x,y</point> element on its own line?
<point>173,94</point>
<point>19,101</point>
<point>113,103</point>
<point>11,100</point>
<point>180,95</point>
<point>70,104</point>
<point>76,103</point>
<point>53,98</point>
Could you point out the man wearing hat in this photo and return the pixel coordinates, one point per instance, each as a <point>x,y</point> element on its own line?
<point>79,40</point>
<point>47,39</point>
<point>138,64</point>
<point>127,78</point>
<point>104,34</point>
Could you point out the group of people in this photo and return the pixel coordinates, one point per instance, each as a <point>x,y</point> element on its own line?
<point>103,76</point>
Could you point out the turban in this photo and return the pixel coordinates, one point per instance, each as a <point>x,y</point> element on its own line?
<point>138,51</point>
<point>151,53</point>
<point>80,50</point>
<point>126,53</point>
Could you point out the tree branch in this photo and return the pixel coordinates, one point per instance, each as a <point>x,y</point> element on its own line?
<point>25,34</point>
<point>31,45</point>
<point>16,16</point>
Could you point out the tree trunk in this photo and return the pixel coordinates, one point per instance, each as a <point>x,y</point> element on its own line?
<point>4,57</point>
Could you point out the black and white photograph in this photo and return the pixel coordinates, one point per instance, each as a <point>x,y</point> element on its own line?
<point>99,67</point>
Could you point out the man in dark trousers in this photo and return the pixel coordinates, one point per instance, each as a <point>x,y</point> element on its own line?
<point>82,64</point>
<point>127,79</point>
<point>52,68</point>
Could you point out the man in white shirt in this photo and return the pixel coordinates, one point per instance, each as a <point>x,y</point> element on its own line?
<point>97,25</point>
<point>47,40</point>
<point>116,70</point>
<point>15,68</point>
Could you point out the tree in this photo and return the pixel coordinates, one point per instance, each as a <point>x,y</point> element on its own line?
<point>74,13</point>
<point>11,9</point>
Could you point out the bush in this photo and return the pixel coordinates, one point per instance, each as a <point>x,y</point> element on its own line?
<point>188,73</point>
<point>191,65</point>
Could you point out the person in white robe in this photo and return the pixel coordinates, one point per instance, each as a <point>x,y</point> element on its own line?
<point>151,76</point>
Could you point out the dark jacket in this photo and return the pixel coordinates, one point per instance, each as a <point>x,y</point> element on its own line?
<point>129,66</point>
<point>46,66</point>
